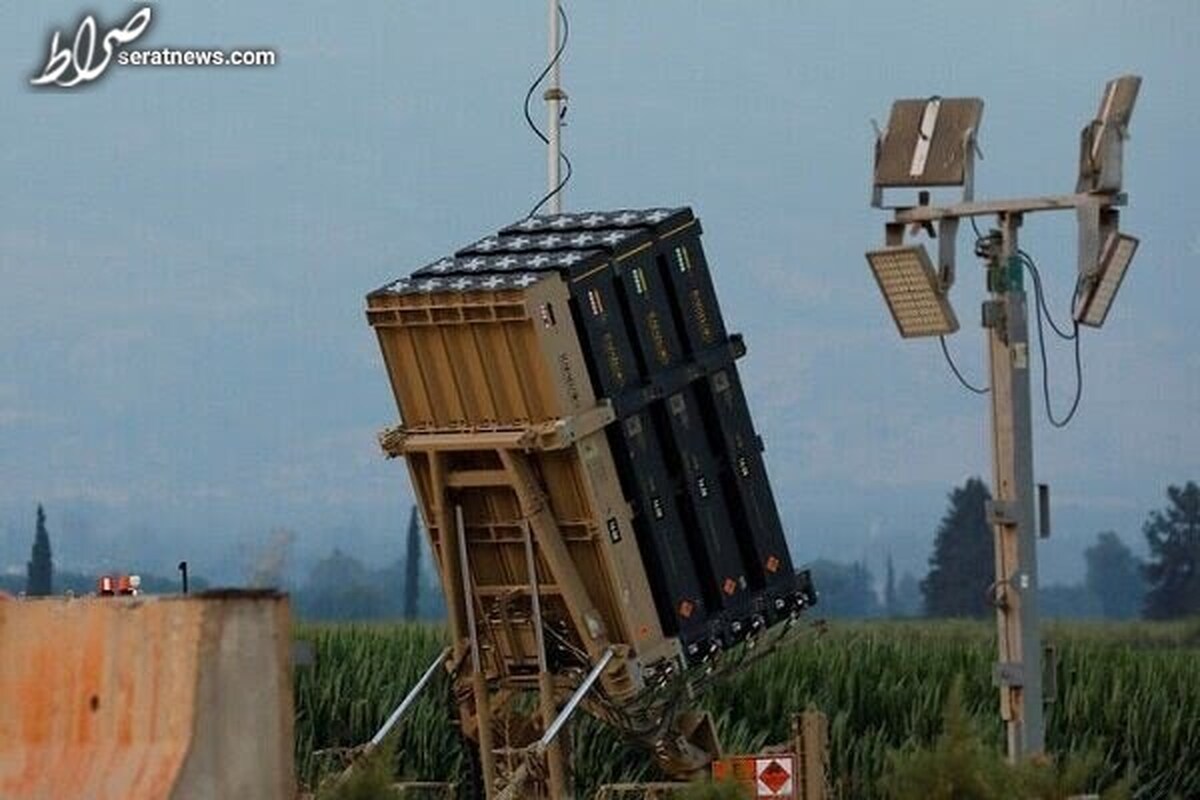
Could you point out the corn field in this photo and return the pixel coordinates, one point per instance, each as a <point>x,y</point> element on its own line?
<point>1127,693</point>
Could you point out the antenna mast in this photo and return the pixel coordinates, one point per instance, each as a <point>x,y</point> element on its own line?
<point>554,97</point>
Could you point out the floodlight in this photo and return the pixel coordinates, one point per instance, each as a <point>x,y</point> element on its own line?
<point>912,290</point>
<point>1099,289</point>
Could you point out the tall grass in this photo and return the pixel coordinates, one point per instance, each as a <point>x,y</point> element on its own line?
<point>359,674</point>
<point>1129,693</point>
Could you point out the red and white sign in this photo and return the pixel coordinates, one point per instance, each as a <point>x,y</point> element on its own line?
<point>774,777</point>
<point>770,777</point>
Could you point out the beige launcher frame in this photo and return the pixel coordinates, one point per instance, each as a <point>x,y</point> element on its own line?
<point>502,430</point>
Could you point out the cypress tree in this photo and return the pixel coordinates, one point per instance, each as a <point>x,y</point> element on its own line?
<point>39,580</point>
<point>412,567</point>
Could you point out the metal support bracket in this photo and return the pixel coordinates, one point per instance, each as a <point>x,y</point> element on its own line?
<point>394,718</point>
<point>1096,224</point>
<point>970,150</point>
<point>1007,674</point>
<point>409,699</point>
<point>1000,512</point>
<point>992,315</point>
<point>1043,506</point>
<point>553,435</point>
<point>576,699</point>
<point>947,235</point>
<point>1049,674</point>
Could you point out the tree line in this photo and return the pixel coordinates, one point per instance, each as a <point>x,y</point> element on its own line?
<point>338,587</point>
<point>42,579</point>
<point>1116,585</point>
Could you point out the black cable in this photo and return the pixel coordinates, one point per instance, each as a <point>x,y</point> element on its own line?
<point>975,227</point>
<point>1040,294</point>
<point>566,32</point>
<point>946,350</point>
<point>957,374</point>
<point>546,197</point>
<point>1042,311</point>
<point>1046,378</point>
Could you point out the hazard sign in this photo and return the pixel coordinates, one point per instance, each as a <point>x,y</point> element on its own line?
<point>768,777</point>
<point>774,777</point>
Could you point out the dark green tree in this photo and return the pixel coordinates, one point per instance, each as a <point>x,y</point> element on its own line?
<point>962,566</point>
<point>1173,572</point>
<point>1114,577</point>
<point>39,580</point>
<point>412,568</point>
<point>340,587</point>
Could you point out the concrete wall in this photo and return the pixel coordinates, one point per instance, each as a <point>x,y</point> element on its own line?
<point>146,698</point>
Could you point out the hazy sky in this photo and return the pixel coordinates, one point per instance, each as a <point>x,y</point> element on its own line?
<point>184,361</point>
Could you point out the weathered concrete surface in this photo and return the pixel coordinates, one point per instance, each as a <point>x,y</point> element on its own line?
<point>172,698</point>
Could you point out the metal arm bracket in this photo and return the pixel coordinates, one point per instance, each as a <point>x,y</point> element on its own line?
<point>1000,512</point>
<point>1008,674</point>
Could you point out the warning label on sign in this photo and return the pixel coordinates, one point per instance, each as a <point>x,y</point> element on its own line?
<point>766,777</point>
<point>774,777</point>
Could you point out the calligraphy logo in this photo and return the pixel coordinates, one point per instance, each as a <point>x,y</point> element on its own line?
<point>84,62</point>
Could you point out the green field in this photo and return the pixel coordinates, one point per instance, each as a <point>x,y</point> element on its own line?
<point>1129,693</point>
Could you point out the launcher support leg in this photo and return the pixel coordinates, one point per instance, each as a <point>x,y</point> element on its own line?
<point>556,764</point>
<point>483,703</point>
<point>536,508</point>
<point>448,551</point>
<point>689,746</point>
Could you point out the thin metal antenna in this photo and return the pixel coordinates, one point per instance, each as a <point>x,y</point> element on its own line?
<point>554,98</point>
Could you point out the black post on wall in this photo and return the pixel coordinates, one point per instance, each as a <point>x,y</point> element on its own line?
<point>183,573</point>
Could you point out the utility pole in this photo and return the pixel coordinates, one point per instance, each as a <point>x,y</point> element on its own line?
<point>554,97</point>
<point>931,143</point>
<point>1018,672</point>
